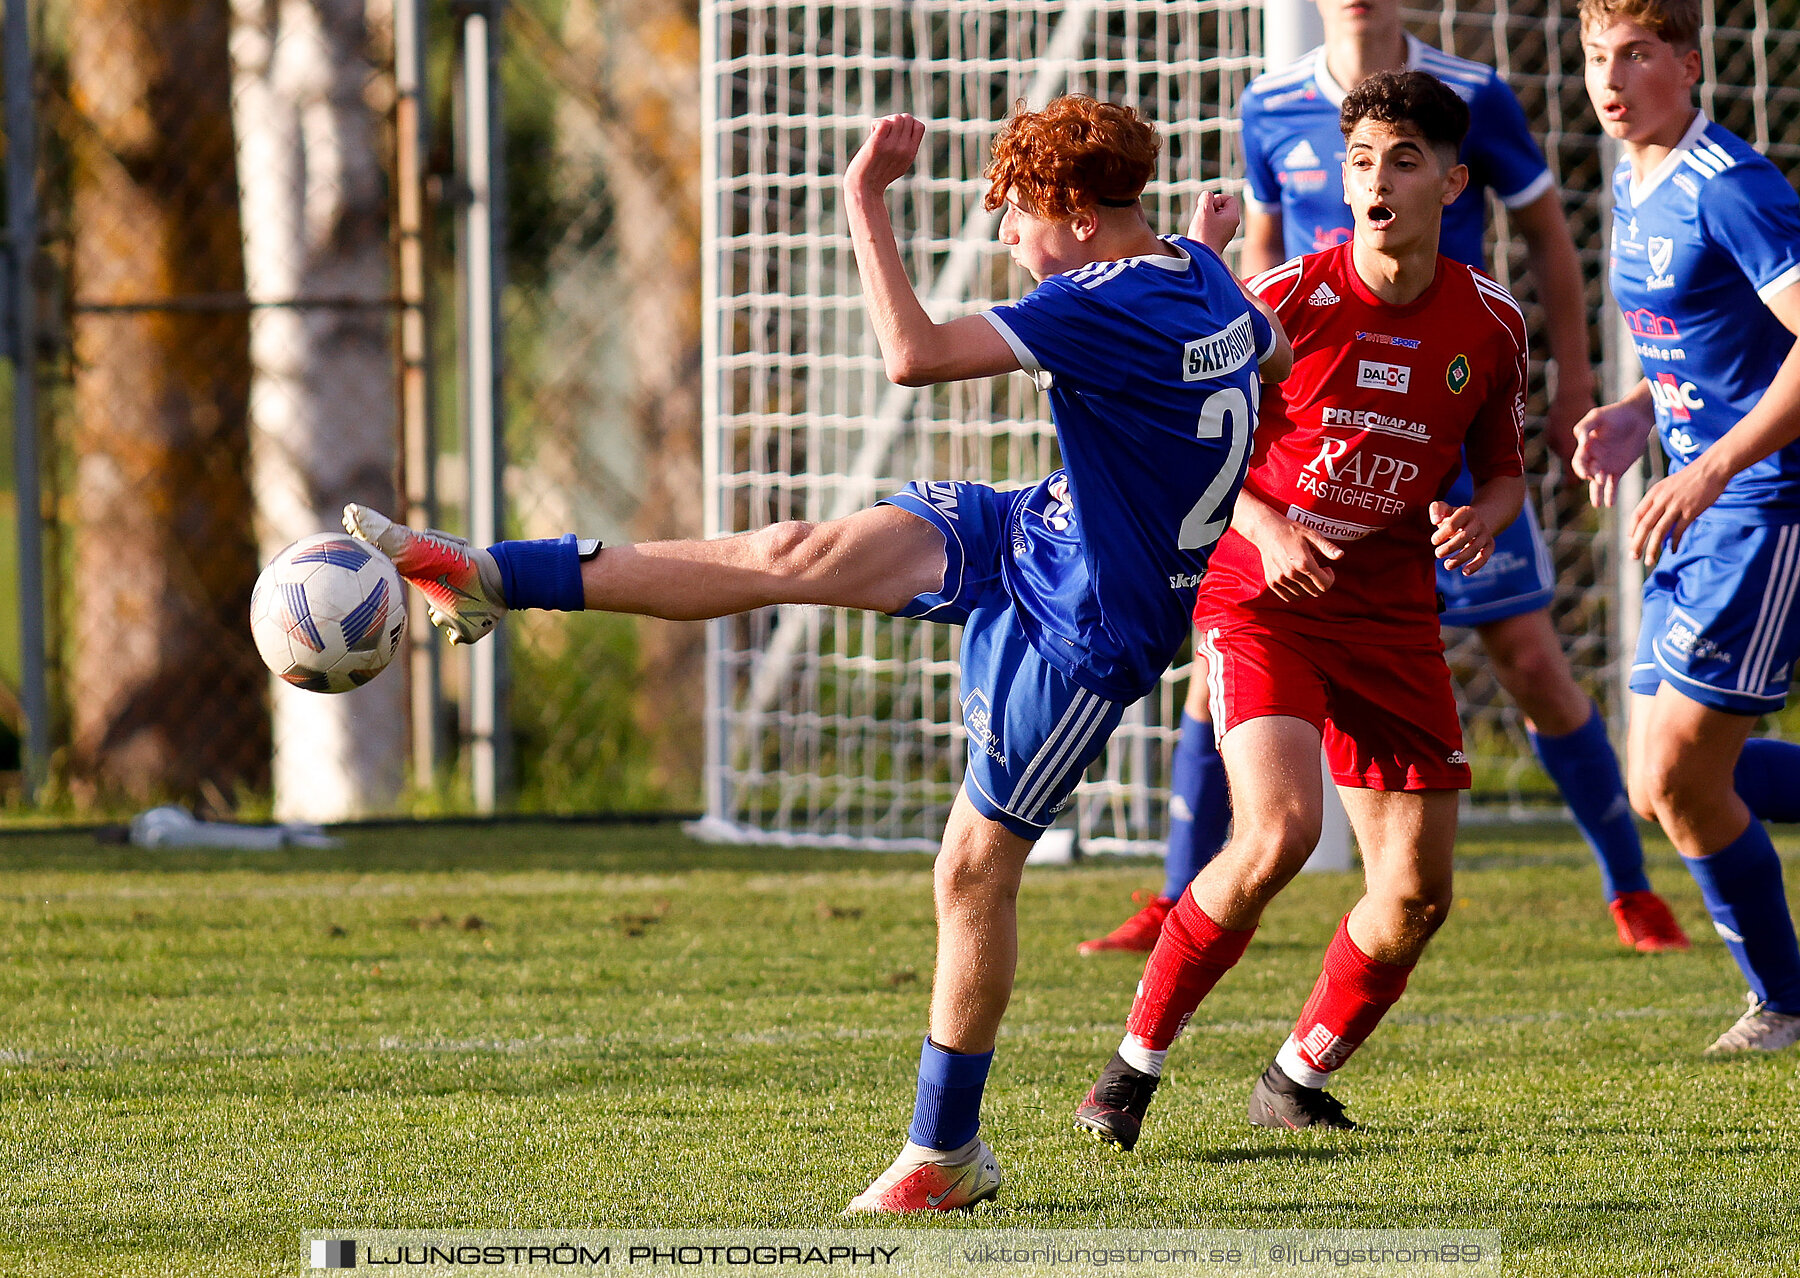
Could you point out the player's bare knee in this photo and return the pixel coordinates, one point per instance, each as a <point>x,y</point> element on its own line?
<point>966,874</point>
<point>1266,858</point>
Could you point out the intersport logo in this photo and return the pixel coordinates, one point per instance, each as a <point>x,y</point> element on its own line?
<point>1371,375</point>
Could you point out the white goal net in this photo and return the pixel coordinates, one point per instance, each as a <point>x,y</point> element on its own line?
<point>842,728</point>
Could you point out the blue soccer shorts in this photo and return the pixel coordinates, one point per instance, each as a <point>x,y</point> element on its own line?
<point>1032,730</point>
<point>1518,577</point>
<point>1720,624</point>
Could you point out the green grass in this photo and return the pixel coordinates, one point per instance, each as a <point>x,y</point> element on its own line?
<point>640,1031</point>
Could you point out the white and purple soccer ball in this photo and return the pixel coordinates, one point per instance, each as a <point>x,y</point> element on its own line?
<point>328,613</point>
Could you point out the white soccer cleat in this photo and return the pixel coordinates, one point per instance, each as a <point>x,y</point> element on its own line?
<point>1758,1030</point>
<point>924,1179</point>
<point>460,582</point>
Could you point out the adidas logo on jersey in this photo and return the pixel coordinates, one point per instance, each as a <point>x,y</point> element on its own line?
<point>1302,156</point>
<point>1323,296</point>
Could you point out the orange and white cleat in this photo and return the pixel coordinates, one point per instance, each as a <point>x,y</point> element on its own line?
<point>460,582</point>
<point>1137,933</point>
<point>1645,923</point>
<point>924,1179</point>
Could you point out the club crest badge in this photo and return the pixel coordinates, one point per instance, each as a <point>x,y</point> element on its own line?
<point>1457,375</point>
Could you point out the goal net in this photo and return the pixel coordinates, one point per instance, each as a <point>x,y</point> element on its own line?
<point>835,727</point>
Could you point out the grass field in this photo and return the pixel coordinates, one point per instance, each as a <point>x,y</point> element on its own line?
<point>579,1026</point>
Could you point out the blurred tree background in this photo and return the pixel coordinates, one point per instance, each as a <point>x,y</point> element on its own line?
<point>220,371</point>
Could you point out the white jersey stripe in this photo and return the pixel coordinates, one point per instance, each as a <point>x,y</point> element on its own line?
<point>1112,272</point>
<point>1725,158</point>
<point>1704,167</point>
<point>1772,617</point>
<point>1777,285</point>
<point>1513,321</point>
<point>1492,289</point>
<point>1286,273</point>
<point>1296,72</point>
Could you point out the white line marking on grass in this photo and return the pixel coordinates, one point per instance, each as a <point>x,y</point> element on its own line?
<point>582,1043</point>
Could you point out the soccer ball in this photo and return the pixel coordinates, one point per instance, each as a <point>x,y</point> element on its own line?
<point>328,613</point>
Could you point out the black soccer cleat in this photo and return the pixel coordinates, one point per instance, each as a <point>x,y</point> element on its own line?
<point>1114,1109</point>
<point>1278,1101</point>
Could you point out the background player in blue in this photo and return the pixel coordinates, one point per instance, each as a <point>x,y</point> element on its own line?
<point>1293,150</point>
<point>1706,267</point>
<point>1074,594</point>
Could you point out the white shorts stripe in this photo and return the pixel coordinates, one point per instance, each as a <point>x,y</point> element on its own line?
<point>1772,617</point>
<point>1052,762</point>
<point>1071,712</point>
<point>1215,681</point>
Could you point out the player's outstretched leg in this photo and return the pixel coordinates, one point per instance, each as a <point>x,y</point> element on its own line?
<point>461,583</point>
<point>880,559</point>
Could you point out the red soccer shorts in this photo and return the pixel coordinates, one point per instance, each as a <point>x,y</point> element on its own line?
<point>1387,714</point>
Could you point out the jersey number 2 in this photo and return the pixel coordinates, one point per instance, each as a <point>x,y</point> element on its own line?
<point>1201,529</point>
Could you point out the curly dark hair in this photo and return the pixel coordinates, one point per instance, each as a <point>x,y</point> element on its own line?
<point>1415,100</point>
<point>1072,155</point>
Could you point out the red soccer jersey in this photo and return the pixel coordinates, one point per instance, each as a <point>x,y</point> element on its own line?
<point>1367,431</point>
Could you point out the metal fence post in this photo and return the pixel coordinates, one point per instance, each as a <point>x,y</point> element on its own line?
<point>21,331</point>
<point>483,274</point>
<point>418,438</point>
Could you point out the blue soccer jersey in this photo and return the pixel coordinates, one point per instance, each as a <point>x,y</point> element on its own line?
<point>1294,151</point>
<point>1151,368</point>
<point>1698,247</point>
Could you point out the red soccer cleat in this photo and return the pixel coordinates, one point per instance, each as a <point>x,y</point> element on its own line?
<point>1139,932</point>
<point>923,1180</point>
<point>1645,924</point>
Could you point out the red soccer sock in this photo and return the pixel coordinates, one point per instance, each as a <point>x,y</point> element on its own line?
<point>1190,956</point>
<point>1353,993</point>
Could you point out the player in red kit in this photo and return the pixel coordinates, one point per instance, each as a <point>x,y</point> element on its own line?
<point>1318,614</point>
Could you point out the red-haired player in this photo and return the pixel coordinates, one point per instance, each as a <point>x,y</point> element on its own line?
<point>1074,595</point>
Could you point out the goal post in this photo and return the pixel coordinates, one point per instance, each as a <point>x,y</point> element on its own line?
<point>843,728</point>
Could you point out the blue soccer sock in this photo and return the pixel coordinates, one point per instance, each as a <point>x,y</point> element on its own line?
<point>947,1111</point>
<point>1768,779</point>
<point>1585,769</point>
<point>540,574</point>
<point>1741,883</point>
<point>1199,805</point>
